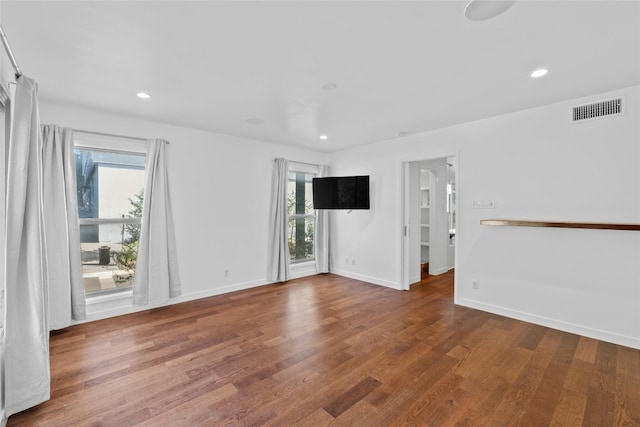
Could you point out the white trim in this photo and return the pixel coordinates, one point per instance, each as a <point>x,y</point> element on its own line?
<point>368,279</point>
<point>103,221</point>
<point>628,341</point>
<point>85,141</point>
<point>303,269</point>
<point>303,167</point>
<point>100,298</point>
<point>109,310</point>
<point>404,217</point>
<point>119,303</point>
<point>405,229</point>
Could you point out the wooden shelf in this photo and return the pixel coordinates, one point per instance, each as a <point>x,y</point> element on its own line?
<point>561,224</point>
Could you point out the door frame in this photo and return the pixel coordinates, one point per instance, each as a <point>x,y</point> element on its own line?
<point>405,216</point>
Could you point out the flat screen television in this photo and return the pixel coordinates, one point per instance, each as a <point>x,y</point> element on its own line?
<point>341,192</point>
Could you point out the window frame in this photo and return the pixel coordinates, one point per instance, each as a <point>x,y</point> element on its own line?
<point>307,169</point>
<point>116,145</point>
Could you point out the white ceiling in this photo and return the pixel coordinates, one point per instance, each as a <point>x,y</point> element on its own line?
<point>398,66</point>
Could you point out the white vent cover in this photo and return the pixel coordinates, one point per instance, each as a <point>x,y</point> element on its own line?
<point>598,109</point>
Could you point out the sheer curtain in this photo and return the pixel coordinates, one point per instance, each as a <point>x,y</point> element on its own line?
<point>62,232</point>
<point>321,234</point>
<point>278,268</point>
<point>156,278</point>
<point>26,359</point>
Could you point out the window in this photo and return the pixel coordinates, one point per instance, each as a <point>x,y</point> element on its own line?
<point>302,218</point>
<point>110,194</point>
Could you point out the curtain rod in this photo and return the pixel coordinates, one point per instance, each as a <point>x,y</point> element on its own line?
<point>112,135</point>
<point>303,163</point>
<point>12,58</point>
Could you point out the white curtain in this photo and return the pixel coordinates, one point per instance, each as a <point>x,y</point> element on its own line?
<point>26,380</point>
<point>62,232</point>
<point>321,233</point>
<point>278,268</point>
<point>156,279</point>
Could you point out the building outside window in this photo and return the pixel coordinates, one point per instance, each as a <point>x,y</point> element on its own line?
<point>301,216</point>
<point>110,196</point>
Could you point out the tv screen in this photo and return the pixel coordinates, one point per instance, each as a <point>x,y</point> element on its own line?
<point>341,192</point>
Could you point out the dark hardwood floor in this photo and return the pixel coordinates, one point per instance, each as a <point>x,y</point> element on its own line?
<point>330,350</point>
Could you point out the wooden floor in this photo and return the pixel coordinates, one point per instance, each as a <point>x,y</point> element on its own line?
<point>327,350</point>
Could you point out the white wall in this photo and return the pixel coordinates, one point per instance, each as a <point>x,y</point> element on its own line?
<point>220,189</point>
<point>536,165</point>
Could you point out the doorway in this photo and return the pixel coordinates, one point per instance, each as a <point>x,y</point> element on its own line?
<point>429,206</point>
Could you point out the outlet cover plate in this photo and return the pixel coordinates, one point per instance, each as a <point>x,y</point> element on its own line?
<point>483,204</point>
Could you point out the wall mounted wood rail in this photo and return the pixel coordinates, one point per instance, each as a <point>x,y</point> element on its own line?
<point>560,224</point>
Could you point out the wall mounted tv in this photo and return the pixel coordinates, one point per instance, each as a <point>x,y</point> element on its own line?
<point>341,192</point>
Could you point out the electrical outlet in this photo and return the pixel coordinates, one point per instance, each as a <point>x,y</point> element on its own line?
<point>475,284</point>
<point>346,260</point>
<point>353,261</point>
<point>226,272</point>
<point>483,204</point>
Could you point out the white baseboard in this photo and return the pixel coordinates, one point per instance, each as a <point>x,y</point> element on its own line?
<point>219,291</point>
<point>118,304</point>
<point>303,270</point>
<point>369,279</point>
<point>439,271</point>
<point>627,341</point>
<point>113,305</point>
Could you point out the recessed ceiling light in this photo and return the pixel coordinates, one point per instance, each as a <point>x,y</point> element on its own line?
<point>539,73</point>
<point>254,121</point>
<point>402,133</point>
<point>143,95</point>
<point>324,137</point>
<point>480,10</point>
<point>329,86</point>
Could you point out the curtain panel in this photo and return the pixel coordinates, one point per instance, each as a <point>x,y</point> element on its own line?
<point>278,250</point>
<point>157,277</point>
<point>25,371</point>
<point>62,231</point>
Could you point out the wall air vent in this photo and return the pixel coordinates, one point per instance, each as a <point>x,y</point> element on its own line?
<point>598,109</point>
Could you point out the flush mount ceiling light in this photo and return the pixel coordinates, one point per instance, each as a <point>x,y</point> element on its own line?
<point>540,72</point>
<point>402,133</point>
<point>254,121</point>
<point>143,95</point>
<point>481,10</point>
<point>323,137</point>
<point>329,86</point>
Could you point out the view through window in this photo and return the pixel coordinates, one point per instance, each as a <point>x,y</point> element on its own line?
<point>301,216</point>
<point>110,196</point>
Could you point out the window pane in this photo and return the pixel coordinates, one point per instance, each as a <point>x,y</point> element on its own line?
<point>299,194</point>
<point>301,216</point>
<point>109,186</point>
<point>301,239</point>
<point>109,255</point>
